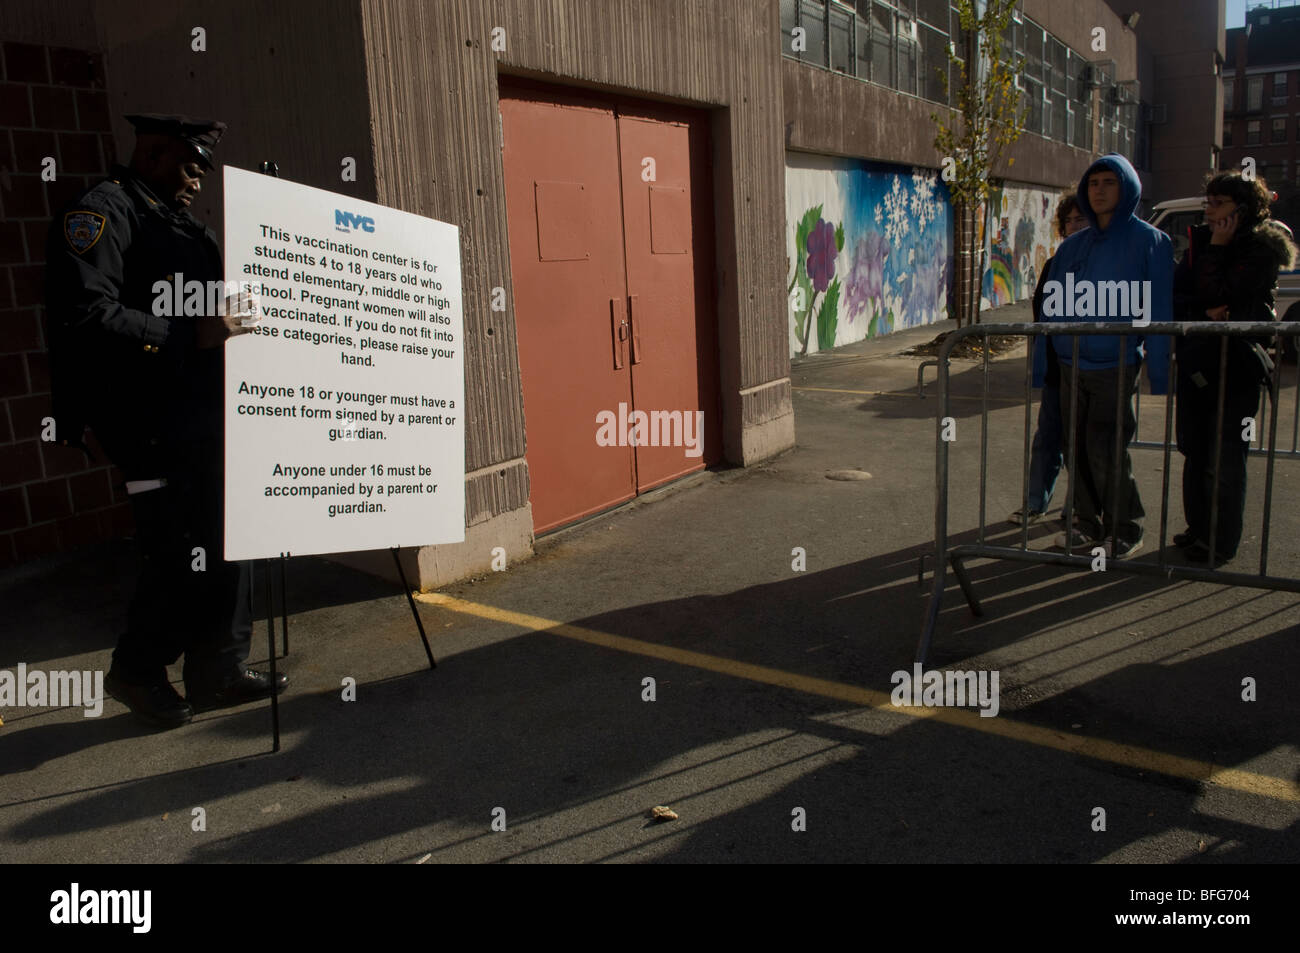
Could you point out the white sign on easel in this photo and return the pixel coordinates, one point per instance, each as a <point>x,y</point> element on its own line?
<point>345,409</point>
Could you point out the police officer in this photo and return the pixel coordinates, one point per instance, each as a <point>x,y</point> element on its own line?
<point>149,383</point>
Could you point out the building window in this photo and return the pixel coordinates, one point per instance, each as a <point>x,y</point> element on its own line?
<point>882,44</point>
<point>1252,132</point>
<point>1255,93</point>
<point>841,18</point>
<point>789,20</point>
<point>1279,89</point>
<point>1228,91</point>
<point>933,12</point>
<point>1227,135</point>
<point>812,17</point>
<point>1279,129</point>
<point>1033,98</point>
<point>934,62</point>
<point>905,32</point>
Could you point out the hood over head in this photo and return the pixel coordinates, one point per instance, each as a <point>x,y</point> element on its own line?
<point>1277,237</point>
<point>1130,188</point>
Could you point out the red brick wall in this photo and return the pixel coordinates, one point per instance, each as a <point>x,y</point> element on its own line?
<point>52,103</point>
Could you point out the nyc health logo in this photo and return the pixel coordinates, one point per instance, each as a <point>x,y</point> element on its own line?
<point>350,221</point>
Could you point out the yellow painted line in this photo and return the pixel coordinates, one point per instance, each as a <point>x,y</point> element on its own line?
<point>887,393</point>
<point>1101,749</point>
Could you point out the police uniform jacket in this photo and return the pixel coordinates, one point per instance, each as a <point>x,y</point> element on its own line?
<point>122,361</point>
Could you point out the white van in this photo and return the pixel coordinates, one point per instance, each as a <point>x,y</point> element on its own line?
<point>1177,215</point>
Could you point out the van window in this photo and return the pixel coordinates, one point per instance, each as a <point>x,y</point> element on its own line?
<point>1176,224</point>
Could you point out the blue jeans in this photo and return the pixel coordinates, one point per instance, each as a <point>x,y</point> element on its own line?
<point>1045,454</point>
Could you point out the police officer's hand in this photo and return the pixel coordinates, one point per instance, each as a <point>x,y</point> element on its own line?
<point>238,315</point>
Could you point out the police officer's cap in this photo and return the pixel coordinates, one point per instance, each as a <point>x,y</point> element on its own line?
<point>201,134</point>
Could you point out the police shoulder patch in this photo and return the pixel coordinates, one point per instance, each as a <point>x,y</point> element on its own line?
<point>82,229</point>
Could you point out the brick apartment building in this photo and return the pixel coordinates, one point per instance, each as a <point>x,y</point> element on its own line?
<point>1261,103</point>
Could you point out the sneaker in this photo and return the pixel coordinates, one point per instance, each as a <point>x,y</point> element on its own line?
<point>1019,517</point>
<point>1121,549</point>
<point>157,704</point>
<point>1184,539</point>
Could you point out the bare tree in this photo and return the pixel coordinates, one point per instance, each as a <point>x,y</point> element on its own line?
<point>986,118</point>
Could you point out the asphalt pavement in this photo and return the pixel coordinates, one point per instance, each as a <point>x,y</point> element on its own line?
<point>725,648</point>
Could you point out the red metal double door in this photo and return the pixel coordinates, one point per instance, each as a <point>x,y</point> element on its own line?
<point>611,239</point>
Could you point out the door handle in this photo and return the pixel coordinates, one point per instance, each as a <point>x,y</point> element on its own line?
<point>618,332</point>
<point>636,334</point>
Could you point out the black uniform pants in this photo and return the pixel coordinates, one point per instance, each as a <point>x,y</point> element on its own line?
<point>188,599</point>
<point>1198,411</point>
<point>1094,464</point>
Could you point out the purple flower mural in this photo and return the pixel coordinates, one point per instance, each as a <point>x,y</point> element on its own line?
<point>867,276</point>
<point>927,287</point>
<point>821,255</point>
<point>879,217</point>
<point>816,245</point>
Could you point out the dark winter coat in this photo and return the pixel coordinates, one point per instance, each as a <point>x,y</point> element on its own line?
<point>1242,275</point>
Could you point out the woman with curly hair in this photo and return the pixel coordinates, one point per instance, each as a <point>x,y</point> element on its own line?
<point>1229,273</point>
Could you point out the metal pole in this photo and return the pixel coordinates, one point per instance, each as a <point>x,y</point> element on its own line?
<point>1218,450</point>
<point>1029,394</point>
<point>1169,425</point>
<point>270,651</point>
<point>984,437</point>
<point>1274,388</point>
<point>414,612</point>
<point>1111,506</point>
<point>1074,429</point>
<point>940,505</point>
<point>284,607</point>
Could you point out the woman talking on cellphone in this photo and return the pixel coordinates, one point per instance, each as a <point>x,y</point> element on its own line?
<point>1228,273</point>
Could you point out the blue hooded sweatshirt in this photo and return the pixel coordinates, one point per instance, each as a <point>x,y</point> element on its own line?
<point>1127,250</point>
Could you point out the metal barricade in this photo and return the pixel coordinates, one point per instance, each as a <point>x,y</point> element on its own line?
<point>954,555</point>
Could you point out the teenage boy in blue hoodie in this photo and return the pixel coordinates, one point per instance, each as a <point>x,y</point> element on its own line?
<point>1119,269</point>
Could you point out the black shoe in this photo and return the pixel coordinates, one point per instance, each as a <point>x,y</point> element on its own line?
<point>1184,539</point>
<point>247,686</point>
<point>157,704</point>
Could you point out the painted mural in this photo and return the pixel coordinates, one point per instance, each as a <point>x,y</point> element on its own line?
<point>869,249</point>
<point>1021,237</point>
